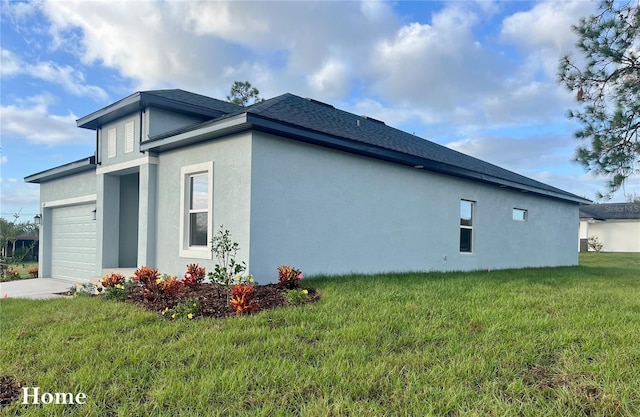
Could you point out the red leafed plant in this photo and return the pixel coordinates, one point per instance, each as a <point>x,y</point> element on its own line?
<point>170,285</point>
<point>242,298</point>
<point>149,278</point>
<point>289,276</point>
<point>112,280</point>
<point>146,276</point>
<point>194,275</point>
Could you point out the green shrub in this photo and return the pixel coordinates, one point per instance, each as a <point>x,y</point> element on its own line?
<point>296,297</point>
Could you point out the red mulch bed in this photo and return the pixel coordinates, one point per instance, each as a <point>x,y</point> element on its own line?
<point>214,298</point>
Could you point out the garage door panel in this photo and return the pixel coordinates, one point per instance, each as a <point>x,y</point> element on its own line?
<point>73,233</point>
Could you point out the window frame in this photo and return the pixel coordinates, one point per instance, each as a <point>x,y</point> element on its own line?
<point>469,227</point>
<point>524,212</point>
<point>186,173</point>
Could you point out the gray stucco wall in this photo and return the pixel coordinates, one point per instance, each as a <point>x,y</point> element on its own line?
<point>231,198</point>
<point>326,211</point>
<point>121,155</point>
<point>161,121</point>
<point>78,185</point>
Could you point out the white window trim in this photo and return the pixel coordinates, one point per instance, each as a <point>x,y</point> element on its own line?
<point>186,251</point>
<point>129,135</point>
<point>112,143</point>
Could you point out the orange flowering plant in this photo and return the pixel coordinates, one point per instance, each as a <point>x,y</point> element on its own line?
<point>289,276</point>
<point>112,280</point>
<point>242,298</point>
<point>149,279</point>
<point>194,275</point>
<point>169,284</point>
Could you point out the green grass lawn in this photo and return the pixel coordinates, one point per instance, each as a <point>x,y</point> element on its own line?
<point>535,342</point>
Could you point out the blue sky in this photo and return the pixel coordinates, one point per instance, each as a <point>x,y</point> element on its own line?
<point>477,76</point>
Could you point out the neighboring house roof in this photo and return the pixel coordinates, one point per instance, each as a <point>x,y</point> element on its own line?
<point>174,100</point>
<point>27,238</point>
<point>76,167</point>
<point>610,211</point>
<point>319,123</point>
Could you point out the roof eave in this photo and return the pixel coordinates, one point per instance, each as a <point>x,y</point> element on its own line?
<point>81,165</point>
<point>137,102</point>
<point>94,120</point>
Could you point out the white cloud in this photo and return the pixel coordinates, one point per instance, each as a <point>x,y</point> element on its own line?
<point>3,159</point>
<point>532,102</point>
<point>545,32</point>
<point>30,119</point>
<point>375,10</point>
<point>71,79</point>
<point>395,116</point>
<point>10,63</point>
<point>18,197</point>
<point>435,65</point>
<point>191,44</point>
<point>330,80</point>
<point>546,25</point>
<point>221,19</point>
<point>520,155</point>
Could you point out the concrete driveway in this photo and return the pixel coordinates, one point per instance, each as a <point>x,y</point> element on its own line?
<point>38,288</point>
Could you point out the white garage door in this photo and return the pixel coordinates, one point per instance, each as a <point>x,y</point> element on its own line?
<point>73,243</point>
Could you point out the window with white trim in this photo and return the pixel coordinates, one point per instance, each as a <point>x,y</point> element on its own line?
<point>520,215</point>
<point>111,143</point>
<point>466,226</point>
<point>196,224</point>
<point>128,137</point>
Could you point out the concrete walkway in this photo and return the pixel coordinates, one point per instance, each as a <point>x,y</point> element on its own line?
<point>38,288</point>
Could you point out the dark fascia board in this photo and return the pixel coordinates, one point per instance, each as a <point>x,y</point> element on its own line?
<point>136,102</point>
<point>245,121</point>
<point>71,168</point>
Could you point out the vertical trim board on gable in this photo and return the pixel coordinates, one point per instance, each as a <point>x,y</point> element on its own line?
<point>111,143</point>
<point>128,137</point>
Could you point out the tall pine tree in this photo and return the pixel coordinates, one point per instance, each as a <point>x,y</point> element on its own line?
<point>607,86</point>
<point>243,94</point>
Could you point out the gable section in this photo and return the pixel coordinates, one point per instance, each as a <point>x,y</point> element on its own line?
<point>118,141</point>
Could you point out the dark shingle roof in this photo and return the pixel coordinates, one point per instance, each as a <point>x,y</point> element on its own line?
<point>610,211</point>
<point>174,100</point>
<point>372,138</point>
<point>195,100</point>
